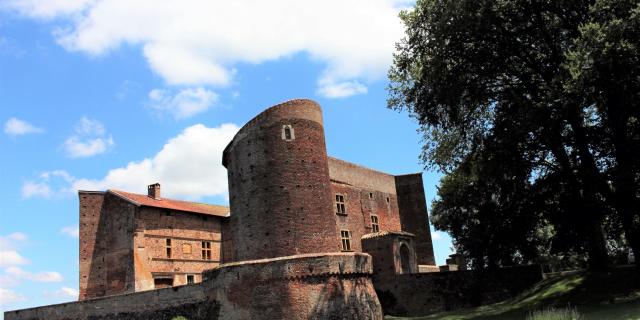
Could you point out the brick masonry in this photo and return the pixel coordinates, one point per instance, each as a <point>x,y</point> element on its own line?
<point>424,293</point>
<point>282,190</point>
<point>324,286</point>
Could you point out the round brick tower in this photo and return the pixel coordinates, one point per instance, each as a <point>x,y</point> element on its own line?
<point>279,187</point>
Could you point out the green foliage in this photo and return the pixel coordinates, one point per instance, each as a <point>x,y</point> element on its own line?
<point>555,314</point>
<point>532,109</point>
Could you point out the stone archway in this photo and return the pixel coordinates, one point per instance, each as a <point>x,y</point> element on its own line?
<point>405,258</point>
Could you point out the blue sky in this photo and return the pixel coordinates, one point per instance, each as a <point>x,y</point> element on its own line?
<point>111,94</point>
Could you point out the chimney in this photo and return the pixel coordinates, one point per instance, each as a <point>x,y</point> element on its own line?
<point>154,191</point>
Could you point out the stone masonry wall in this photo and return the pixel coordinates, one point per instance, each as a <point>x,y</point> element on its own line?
<point>314,286</point>
<point>421,294</point>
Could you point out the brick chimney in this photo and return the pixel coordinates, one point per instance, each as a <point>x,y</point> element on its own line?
<point>153,191</point>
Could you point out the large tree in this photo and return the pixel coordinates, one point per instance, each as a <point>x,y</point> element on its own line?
<point>557,78</point>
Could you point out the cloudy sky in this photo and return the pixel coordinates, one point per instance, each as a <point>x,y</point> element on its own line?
<point>98,94</point>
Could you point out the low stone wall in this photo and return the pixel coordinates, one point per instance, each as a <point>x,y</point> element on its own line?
<point>313,286</point>
<point>424,293</point>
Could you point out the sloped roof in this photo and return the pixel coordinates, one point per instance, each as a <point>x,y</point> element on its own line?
<point>195,207</point>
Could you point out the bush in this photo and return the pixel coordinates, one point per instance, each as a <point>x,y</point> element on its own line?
<point>555,314</point>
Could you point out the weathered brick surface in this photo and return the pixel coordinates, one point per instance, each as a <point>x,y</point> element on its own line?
<point>323,286</point>
<point>154,226</point>
<point>413,215</point>
<point>424,293</point>
<point>106,245</point>
<point>279,190</point>
<point>384,248</point>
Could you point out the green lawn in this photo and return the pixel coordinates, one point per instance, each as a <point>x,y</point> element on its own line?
<point>609,295</point>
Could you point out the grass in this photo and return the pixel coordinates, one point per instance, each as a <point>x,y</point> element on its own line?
<point>611,295</point>
<point>555,314</point>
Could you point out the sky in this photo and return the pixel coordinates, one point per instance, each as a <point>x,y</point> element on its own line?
<point>98,94</point>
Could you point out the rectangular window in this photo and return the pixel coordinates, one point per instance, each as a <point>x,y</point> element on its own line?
<point>190,279</point>
<point>374,224</point>
<point>206,250</point>
<point>159,283</point>
<point>167,247</point>
<point>345,236</point>
<point>186,248</point>
<point>370,195</point>
<point>340,207</point>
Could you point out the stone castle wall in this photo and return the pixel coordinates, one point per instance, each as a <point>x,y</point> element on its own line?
<point>324,286</point>
<point>106,245</point>
<point>413,215</point>
<point>187,231</point>
<point>279,189</point>
<point>425,293</point>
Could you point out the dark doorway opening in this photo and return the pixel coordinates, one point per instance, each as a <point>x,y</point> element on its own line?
<point>405,258</point>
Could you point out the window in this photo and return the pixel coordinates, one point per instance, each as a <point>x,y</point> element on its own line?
<point>167,247</point>
<point>370,195</point>
<point>374,224</point>
<point>206,250</point>
<point>387,199</point>
<point>186,248</point>
<point>190,279</point>
<point>159,283</point>
<point>340,208</point>
<point>345,236</point>
<point>287,132</point>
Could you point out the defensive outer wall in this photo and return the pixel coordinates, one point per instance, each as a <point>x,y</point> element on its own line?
<point>312,286</point>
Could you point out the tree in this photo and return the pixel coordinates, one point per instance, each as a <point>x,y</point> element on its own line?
<point>536,72</point>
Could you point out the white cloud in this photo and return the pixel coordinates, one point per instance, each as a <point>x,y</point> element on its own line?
<point>9,255</point>
<point>185,103</point>
<point>199,42</point>
<point>72,231</point>
<point>436,235</point>
<point>48,184</point>
<point>17,127</point>
<point>188,166</point>
<point>35,189</point>
<point>11,258</point>
<point>64,292</point>
<point>46,276</point>
<point>8,297</point>
<point>89,139</point>
<point>341,90</point>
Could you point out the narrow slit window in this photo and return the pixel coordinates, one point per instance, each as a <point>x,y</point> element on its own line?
<point>206,250</point>
<point>345,236</point>
<point>375,227</point>
<point>340,206</point>
<point>287,132</point>
<point>167,247</point>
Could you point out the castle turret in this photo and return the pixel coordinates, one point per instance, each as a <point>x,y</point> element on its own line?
<point>279,185</point>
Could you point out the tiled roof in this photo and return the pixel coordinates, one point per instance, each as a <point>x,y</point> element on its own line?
<point>195,207</point>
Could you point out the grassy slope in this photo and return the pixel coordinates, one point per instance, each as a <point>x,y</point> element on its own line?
<point>611,295</point>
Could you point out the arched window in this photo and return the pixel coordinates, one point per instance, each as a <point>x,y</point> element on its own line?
<point>405,258</point>
<point>287,132</point>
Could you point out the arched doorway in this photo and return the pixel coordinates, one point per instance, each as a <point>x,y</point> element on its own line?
<point>405,258</point>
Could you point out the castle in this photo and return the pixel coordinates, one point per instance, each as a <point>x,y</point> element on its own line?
<point>302,237</point>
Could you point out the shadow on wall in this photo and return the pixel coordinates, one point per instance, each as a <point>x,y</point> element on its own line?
<point>340,299</point>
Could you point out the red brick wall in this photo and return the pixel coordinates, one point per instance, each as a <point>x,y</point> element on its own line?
<point>413,215</point>
<point>106,242</point>
<point>279,190</point>
<point>154,226</point>
<point>92,271</point>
